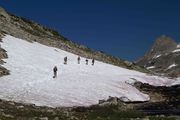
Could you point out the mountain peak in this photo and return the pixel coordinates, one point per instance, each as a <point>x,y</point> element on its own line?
<point>164,43</point>
<point>162,58</point>
<point>165,38</point>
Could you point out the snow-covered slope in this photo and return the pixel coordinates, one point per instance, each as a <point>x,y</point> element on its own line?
<point>31,79</point>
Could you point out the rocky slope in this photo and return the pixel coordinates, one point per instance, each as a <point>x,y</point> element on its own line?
<point>3,55</point>
<point>25,29</point>
<point>163,58</point>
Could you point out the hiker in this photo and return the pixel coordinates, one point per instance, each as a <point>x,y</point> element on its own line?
<point>86,61</point>
<point>78,59</point>
<point>65,60</point>
<point>55,71</point>
<point>93,61</point>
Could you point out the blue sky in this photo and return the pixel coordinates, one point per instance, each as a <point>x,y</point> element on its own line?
<point>123,28</point>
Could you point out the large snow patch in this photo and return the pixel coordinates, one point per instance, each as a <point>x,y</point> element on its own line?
<point>31,79</point>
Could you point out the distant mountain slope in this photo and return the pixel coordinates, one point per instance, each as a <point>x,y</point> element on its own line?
<point>163,58</point>
<point>31,31</point>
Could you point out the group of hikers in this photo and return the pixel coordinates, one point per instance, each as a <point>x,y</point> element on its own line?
<point>55,69</point>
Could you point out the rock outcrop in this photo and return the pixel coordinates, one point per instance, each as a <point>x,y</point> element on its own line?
<point>164,100</point>
<point>3,55</point>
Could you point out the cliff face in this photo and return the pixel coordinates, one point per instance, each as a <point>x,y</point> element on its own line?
<point>163,58</point>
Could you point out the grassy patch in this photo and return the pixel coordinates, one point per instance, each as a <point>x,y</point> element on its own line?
<point>161,118</point>
<point>113,113</point>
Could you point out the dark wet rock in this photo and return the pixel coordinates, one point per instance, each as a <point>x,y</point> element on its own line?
<point>167,93</point>
<point>164,99</point>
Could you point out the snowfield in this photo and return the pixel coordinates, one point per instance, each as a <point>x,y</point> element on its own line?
<point>151,67</point>
<point>31,79</point>
<point>176,50</point>
<point>171,66</point>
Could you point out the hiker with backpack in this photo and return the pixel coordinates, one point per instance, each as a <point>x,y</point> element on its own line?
<point>65,60</point>
<point>93,61</point>
<point>55,71</point>
<point>78,59</point>
<point>86,61</point>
